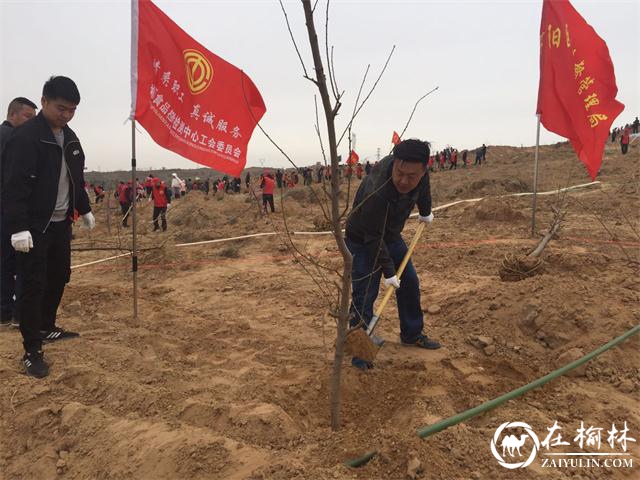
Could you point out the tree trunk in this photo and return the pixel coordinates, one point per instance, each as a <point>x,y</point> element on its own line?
<point>345,291</point>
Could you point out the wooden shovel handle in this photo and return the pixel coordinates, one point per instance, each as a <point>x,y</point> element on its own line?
<point>405,260</point>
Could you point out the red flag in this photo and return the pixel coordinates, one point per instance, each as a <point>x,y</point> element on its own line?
<point>353,158</point>
<point>396,138</point>
<point>577,91</point>
<point>191,101</point>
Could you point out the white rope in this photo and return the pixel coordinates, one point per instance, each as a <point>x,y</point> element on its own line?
<point>100,261</point>
<point>268,234</point>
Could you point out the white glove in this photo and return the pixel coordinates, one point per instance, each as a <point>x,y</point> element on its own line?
<point>22,241</point>
<point>393,281</point>
<point>89,220</point>
<point>168,206</point>
<point>427,219</point>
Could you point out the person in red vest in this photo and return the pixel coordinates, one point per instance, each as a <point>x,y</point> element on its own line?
<point>359,171</point>
<point>148,185</point>
<point>267,184</point>
<point>624,139</point>
<point>125,198</point>
<point>161,202</point>
<point>99,192</point>
<point>454,160</point>
<point>443,160</point>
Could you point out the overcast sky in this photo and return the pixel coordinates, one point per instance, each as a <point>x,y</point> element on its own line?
<point>483,55</point>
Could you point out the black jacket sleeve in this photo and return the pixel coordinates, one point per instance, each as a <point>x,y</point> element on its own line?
<point>424,197</point>
<point>376,211</point>
<point>20,176</point>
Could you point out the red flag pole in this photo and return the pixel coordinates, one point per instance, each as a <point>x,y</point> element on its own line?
<point>535,180</point>
<point>134,253</point>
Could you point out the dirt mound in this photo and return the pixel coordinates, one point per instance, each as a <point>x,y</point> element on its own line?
<point>493,210</point>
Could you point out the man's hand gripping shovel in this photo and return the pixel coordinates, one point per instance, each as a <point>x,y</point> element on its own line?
<point>363,343</point>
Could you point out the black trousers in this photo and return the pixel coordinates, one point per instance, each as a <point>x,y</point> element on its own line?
<point>41,276</point>
<point>7,274</point>
<point>162,213</point>
<point>267,199</point>
<point>624,147</point>
<point>124,208</point>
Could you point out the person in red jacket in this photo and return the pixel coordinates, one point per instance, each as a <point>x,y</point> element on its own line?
<point>148,185</point>
<point>125,198</point>
<point>624,139</point>
<point>267,184</point>
<point>454,160</point>
<point>161,202</point>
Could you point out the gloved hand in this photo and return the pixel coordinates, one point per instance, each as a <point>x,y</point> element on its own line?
<point>427,219</point>
<point>89,220</point>
<point>168,206</point>
<point>22,241</point>
<point>393,281</point>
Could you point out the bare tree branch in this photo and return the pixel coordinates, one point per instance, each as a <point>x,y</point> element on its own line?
<point>295,45</point>
<point>368,95</point>
<point>414,110</point>
<point>334,89</point>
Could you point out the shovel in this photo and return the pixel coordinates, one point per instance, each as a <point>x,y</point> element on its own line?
<point>363,343</point>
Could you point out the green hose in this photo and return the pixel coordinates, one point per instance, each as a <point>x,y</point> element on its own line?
<point>358,462</point>
<point>491,404</point>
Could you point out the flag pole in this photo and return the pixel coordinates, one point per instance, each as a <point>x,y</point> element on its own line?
<point>134,253</point>
<point>535,180</point>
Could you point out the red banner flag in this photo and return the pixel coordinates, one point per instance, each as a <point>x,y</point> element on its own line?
<point>191,101</point>
<point>396,138</point>
<point>577,91</point>
<point>353,158</point>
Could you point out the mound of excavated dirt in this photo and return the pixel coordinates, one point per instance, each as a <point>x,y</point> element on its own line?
<point>494,210</point>
<point>226,371</point>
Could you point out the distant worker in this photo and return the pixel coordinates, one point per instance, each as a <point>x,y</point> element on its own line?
<point>161,202</point>
<point>175,185</point>
<point>624,139</point>
<point>125,198</point>
<point>267,184</point>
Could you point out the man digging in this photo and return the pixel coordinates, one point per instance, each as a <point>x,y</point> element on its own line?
<point>382,204</point>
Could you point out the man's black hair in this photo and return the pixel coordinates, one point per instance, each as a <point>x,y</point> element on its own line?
<point>412,150</point>
<point>19,102</point>
<point>61,87</point>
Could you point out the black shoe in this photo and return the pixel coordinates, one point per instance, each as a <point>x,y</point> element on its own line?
<point>57,334</point>
<point>34,364</point>
<point>423,342</point>
<point>361,364</point>
<point>15,323</point>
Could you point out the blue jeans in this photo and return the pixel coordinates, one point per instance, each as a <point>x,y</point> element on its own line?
<point>365,284</point>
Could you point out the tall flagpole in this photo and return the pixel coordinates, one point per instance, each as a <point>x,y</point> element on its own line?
<point>535,180</point>
<point>134,186</point>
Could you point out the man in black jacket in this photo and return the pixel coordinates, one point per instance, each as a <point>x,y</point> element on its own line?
<point>20,111</point>
<point>43,184</point>
<point>381,207</point>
